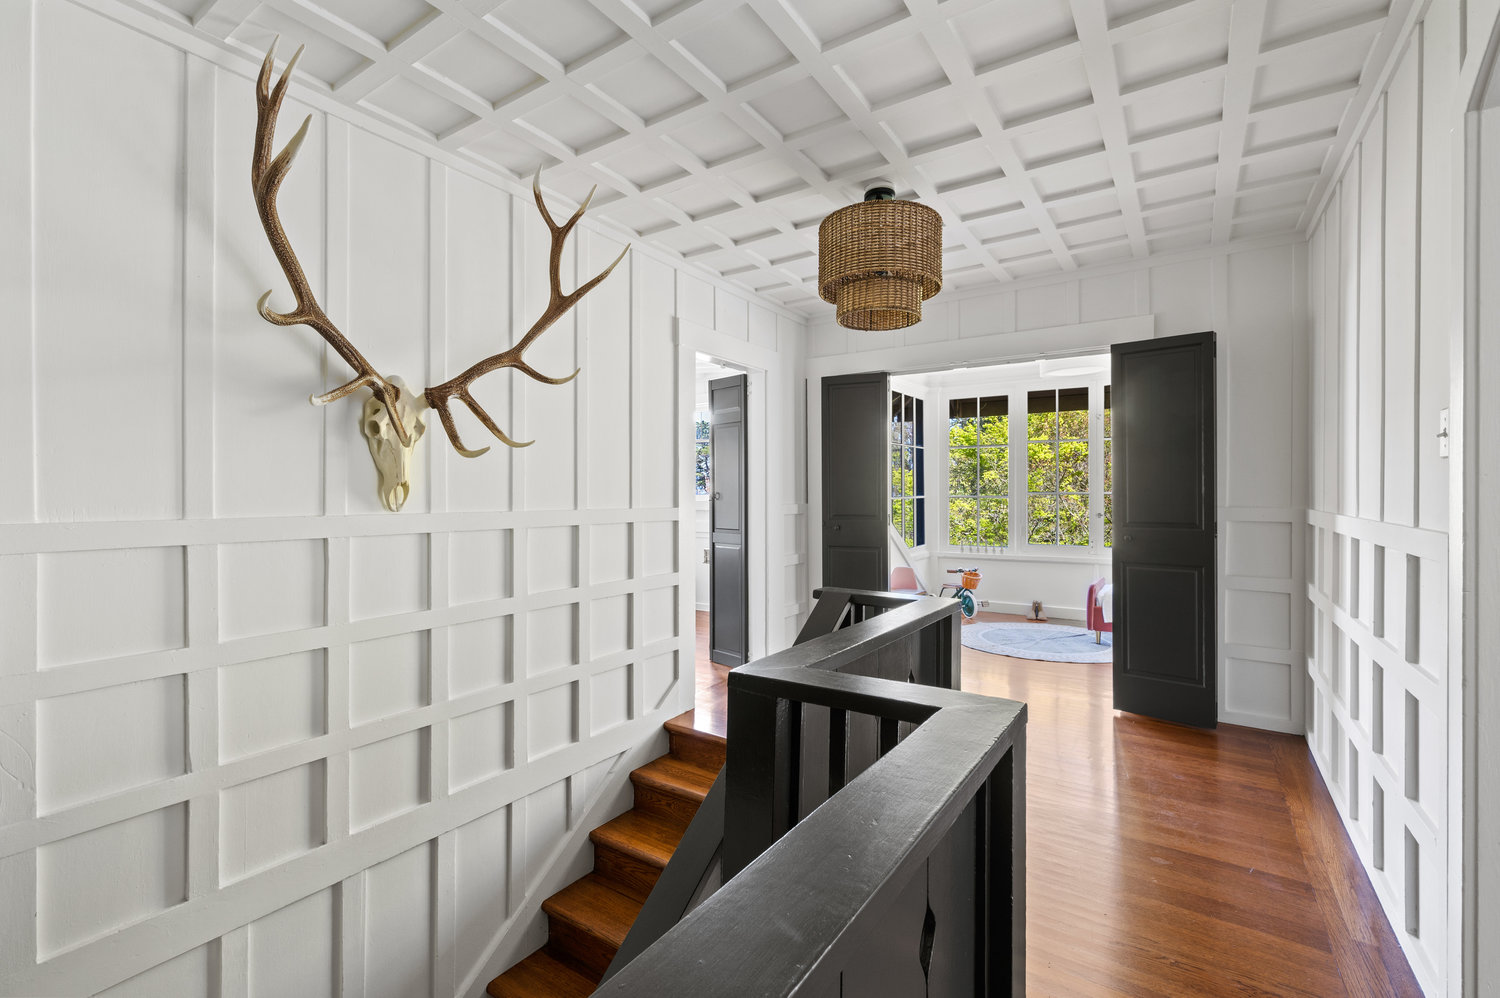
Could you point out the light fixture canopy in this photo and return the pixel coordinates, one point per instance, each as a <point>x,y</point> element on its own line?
<point>879,260</point>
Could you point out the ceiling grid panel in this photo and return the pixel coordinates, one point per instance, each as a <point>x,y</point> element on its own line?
<point>1049,134</point>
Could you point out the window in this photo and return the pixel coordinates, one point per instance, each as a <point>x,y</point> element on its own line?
<point>704,480</point>
<point>1057,466</point>
<point>979,471</point>
<point>1109,476</point>
<point>908,466</point>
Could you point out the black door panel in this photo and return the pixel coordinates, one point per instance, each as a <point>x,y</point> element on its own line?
<point>1165,559</point>
<point>856,481</point>
<point>728,570</point>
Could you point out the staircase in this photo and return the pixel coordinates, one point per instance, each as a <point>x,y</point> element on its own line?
<point>587,920</point>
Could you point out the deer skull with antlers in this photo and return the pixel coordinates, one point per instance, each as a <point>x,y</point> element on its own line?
<point>393,410</point>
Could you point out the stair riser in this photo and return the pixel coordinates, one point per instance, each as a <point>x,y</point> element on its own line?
<point>677,806</point>
<point>572,943</point>
<point>699,751</point>
<point>630,875</point>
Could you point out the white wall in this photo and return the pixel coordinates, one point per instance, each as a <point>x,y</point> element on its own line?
<point>1377,595</point>
<point>1253,296</point>
<point>258,737</point>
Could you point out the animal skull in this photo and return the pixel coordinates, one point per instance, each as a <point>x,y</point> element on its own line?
<point>392,459</point>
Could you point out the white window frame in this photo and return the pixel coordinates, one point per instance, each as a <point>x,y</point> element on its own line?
<point>1018,497</point>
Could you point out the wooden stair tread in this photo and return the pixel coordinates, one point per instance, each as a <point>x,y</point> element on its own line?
<point>677,776</point>
<point>595,907</point>
<point>680,725</point>
<point>541,976</point>
<point>641,834</point>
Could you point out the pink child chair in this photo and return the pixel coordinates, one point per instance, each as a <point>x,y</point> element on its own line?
<point>1093,615</point>
<point>904,580</point>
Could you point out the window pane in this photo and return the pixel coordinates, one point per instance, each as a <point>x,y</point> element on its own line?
<point>908,435</point>
<point>1073,519</point>
<point>1107,431</point>
<point>896,514</point>
<point>919,471</point>
<point>994,422</point>
<point>1042,528</point>
<point>961,521</point>
<point>1109,466</point>
<point>1109,519</point>
<point>910,533</point>
<point>701,470</point>
<point>700,427</point>
<point>963,475</point>
<point>896,471</point>
<point>908,472</point>
<point>1041,467</point>
<point>895,417</point>
<point>917,422</point>
<point>1041,418</point>
<point>1073,424</point>
<point>1073,466</point>
<point>1073,400</point>
<point>993,470</point>
<point>961,422</point>
<point>994,522</point>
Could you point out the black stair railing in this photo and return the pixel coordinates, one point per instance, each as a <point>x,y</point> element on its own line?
<point>875,826</point>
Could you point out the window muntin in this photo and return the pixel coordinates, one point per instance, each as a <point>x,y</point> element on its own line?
<point>1057,467</point>
<point>979,471</point>
<point>908,470</point>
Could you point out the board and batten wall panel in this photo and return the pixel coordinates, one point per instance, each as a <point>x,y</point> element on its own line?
<point>259,737</point>
<point>1252,296</point>
<point>1378,603</point>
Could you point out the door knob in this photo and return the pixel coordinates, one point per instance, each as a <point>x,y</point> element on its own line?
<point>718,496</point>
<point>838,527</point>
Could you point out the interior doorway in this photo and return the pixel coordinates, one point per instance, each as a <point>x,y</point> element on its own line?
<point>720,477</point>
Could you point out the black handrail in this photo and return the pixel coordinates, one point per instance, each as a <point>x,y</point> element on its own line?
<point>817,910</point>
<point>694,870</point>
<point>799,915</point>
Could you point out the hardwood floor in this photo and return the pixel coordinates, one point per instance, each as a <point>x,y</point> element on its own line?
<point>1164,860</point>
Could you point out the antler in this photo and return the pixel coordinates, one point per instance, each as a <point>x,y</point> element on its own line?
<point>266,175</point>
<point>558,304</point>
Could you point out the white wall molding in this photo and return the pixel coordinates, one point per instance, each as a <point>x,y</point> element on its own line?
<point>268,709</point>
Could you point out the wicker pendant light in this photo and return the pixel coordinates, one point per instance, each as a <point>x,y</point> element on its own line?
<point>879,260</point>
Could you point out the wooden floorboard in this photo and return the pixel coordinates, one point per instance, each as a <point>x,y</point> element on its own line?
<point>1164,860</point>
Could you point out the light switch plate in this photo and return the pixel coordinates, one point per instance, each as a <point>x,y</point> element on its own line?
<point>1443,433</point>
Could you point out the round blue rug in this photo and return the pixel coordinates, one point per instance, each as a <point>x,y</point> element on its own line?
<point>1042,642</point>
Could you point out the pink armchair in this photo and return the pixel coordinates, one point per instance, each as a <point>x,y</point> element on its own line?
<point>1093,616</point>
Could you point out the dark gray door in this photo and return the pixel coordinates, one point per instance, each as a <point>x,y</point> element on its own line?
<point>728,571</point>
<point>856,481</point>
<point>1164,529</point>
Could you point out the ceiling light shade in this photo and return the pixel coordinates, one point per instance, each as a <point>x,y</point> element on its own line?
<point>879,260</point>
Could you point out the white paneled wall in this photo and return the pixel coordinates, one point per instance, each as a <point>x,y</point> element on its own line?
<point>1252,296</point>
<point>257,736</point>
<point>1383,288</point>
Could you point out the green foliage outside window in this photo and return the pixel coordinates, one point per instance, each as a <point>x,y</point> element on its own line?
<point>979,471</point>
<point>703,479</point>
<point>1109,477</point>
<point>908,463</point>
<point>1057,467</point>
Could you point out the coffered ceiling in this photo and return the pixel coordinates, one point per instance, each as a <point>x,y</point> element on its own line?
<point>1050,134</point>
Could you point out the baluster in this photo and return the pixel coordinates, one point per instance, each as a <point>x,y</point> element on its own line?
<point>838,749</point>
<point>889,734</point>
